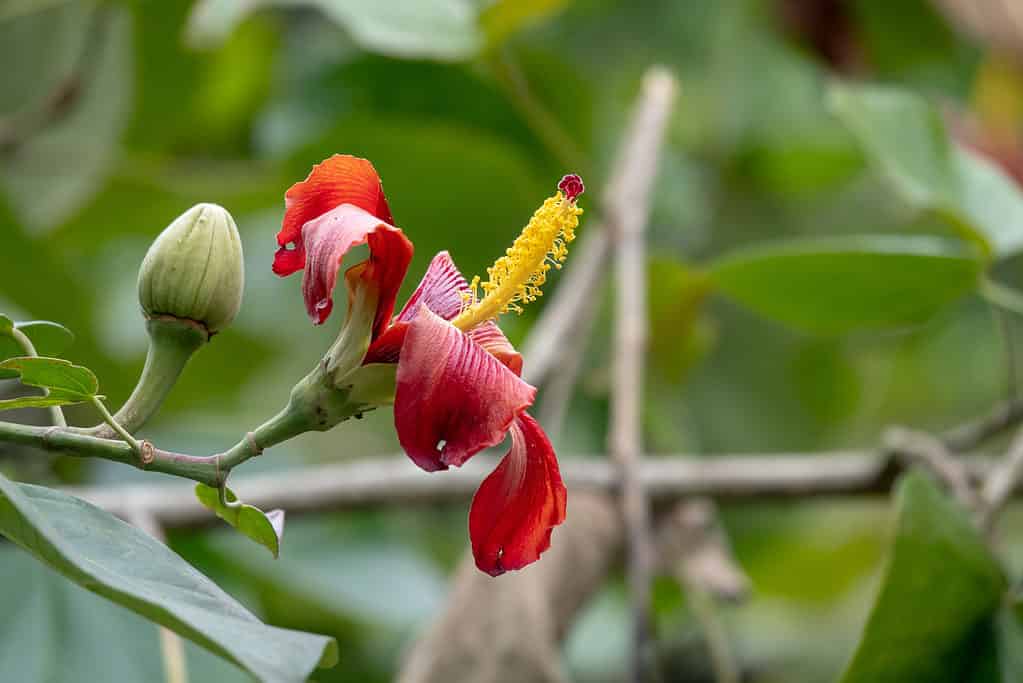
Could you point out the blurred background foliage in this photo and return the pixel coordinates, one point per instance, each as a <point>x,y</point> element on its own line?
<point>116,116</point>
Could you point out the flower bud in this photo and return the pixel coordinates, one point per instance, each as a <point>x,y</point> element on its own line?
<point>194,269</point>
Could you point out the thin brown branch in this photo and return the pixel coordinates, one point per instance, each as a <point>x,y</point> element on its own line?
<point>395,480</point>
<point>629,209</point>
<point>931,452</point>
<point>970,435</point>
<point>1000,483</point>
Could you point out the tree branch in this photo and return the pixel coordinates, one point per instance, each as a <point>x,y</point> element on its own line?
<point>395,480</point>
<point>628,206</point>
<point>970,435</point>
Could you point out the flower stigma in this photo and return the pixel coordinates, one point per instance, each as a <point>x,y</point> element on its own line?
<point>517,277</point>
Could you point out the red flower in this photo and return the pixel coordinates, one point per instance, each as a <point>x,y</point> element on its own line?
<point>458,387</point>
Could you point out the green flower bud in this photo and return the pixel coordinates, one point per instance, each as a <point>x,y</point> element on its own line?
<point>194,270</point>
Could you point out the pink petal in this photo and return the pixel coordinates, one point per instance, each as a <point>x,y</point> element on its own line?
<point>441,291</point>
<point>329,237</point>
<point>452,399</point>
<point>518,505</point>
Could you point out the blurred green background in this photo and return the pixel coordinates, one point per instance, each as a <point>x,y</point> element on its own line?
<point>117,116</point>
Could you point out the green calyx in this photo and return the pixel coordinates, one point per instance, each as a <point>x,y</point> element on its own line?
<point>340,386</point>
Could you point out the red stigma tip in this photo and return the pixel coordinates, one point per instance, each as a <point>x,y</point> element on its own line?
<point>572,186</point>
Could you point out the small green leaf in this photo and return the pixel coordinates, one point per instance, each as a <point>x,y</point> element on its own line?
<point>56,397</point>
<point>836,285</point>
<point>49,338</point>
<point>266,529</point>
<point>117,561</point>
<point>905,136</point>
<point>55,374</point>
<point>941,588</point>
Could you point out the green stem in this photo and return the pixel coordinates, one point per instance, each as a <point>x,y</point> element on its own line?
<point>121,431</point>
<point>537,116</point>
<point>172,341</point>
<point>59,440</point>
<point>56,414</point>
<point>315,405</point>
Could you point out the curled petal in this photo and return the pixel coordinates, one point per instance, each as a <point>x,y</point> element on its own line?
<point>452,398</point>
<point>440,290</point>
<point>341,179</point>
<point>518,505</point>
<point>329,237</point>
<point>490,337</point>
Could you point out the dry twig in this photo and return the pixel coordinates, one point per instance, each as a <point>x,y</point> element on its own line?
<point>629,207</point>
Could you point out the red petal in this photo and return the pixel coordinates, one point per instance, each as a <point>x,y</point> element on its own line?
<point>440,290</point>
<point>329,237</point>
<point>452,399</point>
<point>341,179</point>
<point>517,507</point>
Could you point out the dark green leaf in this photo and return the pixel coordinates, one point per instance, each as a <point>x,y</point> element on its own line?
<point>905,137</point>
<point>836,285</point>
<point>73,381</point>
<point>940,589</point>
<point>438,29</point>
<point>125,565</point>
<point>265,528</point>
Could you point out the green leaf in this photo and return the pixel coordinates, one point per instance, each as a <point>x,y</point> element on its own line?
<point>117,561</point>
<point>436,29</point>
<point>48,338</point>
<point>65,161</point>
<point>905,136</point>
<point>836,285</point>
<point>56,374</point>
<point>54,398</point>
<point>265,528</point>
<point>46,613</point>
<point>940,589</point>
